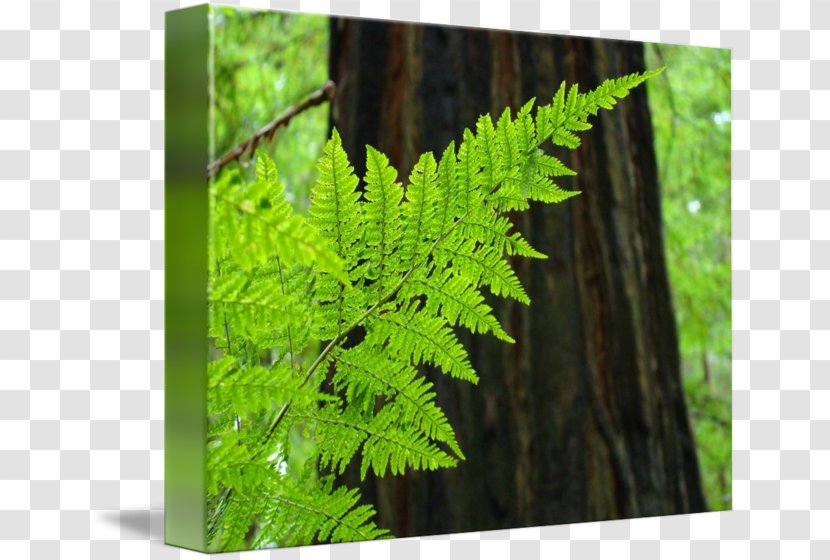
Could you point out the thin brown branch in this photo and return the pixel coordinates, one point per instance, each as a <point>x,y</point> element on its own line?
<point>322,95</point>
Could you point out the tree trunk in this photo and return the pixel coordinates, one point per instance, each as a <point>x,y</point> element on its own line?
<point>583,418</point>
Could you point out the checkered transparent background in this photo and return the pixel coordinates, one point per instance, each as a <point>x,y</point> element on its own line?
<point>81,279</point>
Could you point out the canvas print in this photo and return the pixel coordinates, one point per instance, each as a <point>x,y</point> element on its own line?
<point>429,279</point>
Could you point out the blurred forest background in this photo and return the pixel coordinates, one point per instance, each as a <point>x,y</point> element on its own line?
<point>265,62</point>
<point>690,111</point>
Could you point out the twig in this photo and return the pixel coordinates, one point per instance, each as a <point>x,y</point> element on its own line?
<point>323,94</point>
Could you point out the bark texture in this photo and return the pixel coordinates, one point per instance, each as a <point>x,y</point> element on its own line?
<point>584,417</point>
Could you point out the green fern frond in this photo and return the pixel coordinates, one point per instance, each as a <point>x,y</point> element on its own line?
<point>293,395</point>
<point>339,221</point>
<point>334,211</point>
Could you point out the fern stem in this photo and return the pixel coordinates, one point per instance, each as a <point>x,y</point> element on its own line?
<point>237,420</point>
<point>282,288</point>
<point>225,315</point>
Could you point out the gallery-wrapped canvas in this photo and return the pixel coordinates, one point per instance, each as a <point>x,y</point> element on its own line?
<point>427,279</point>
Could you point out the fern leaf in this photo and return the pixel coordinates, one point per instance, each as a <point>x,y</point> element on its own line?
<point>448,204</point>
<point>382,216</point>
<point>605,96</point>
<point>483,266</point>
<point>490,229</point>
<point>256,223</point>
<point>247,308</point>
<point>399,447</point>
<point>334,210</point>
<point>340,435</point>
<point>367,371</point>
<point>468,173</point>
<point>258,389</point>
<point>459,302</point>
<point>338,218</point>
<point>301,514</point>
<point>419,210</point>
<point>526,128</point>
<point>488,153</point>
<point>419,337</point>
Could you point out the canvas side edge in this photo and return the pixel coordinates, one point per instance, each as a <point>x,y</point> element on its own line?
<point>186,139</point>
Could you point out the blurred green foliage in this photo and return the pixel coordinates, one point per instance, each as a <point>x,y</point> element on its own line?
<point>266,62</point>
<point>690,107</point>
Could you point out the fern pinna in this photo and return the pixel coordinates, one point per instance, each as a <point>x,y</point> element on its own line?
<point>406,266</point>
